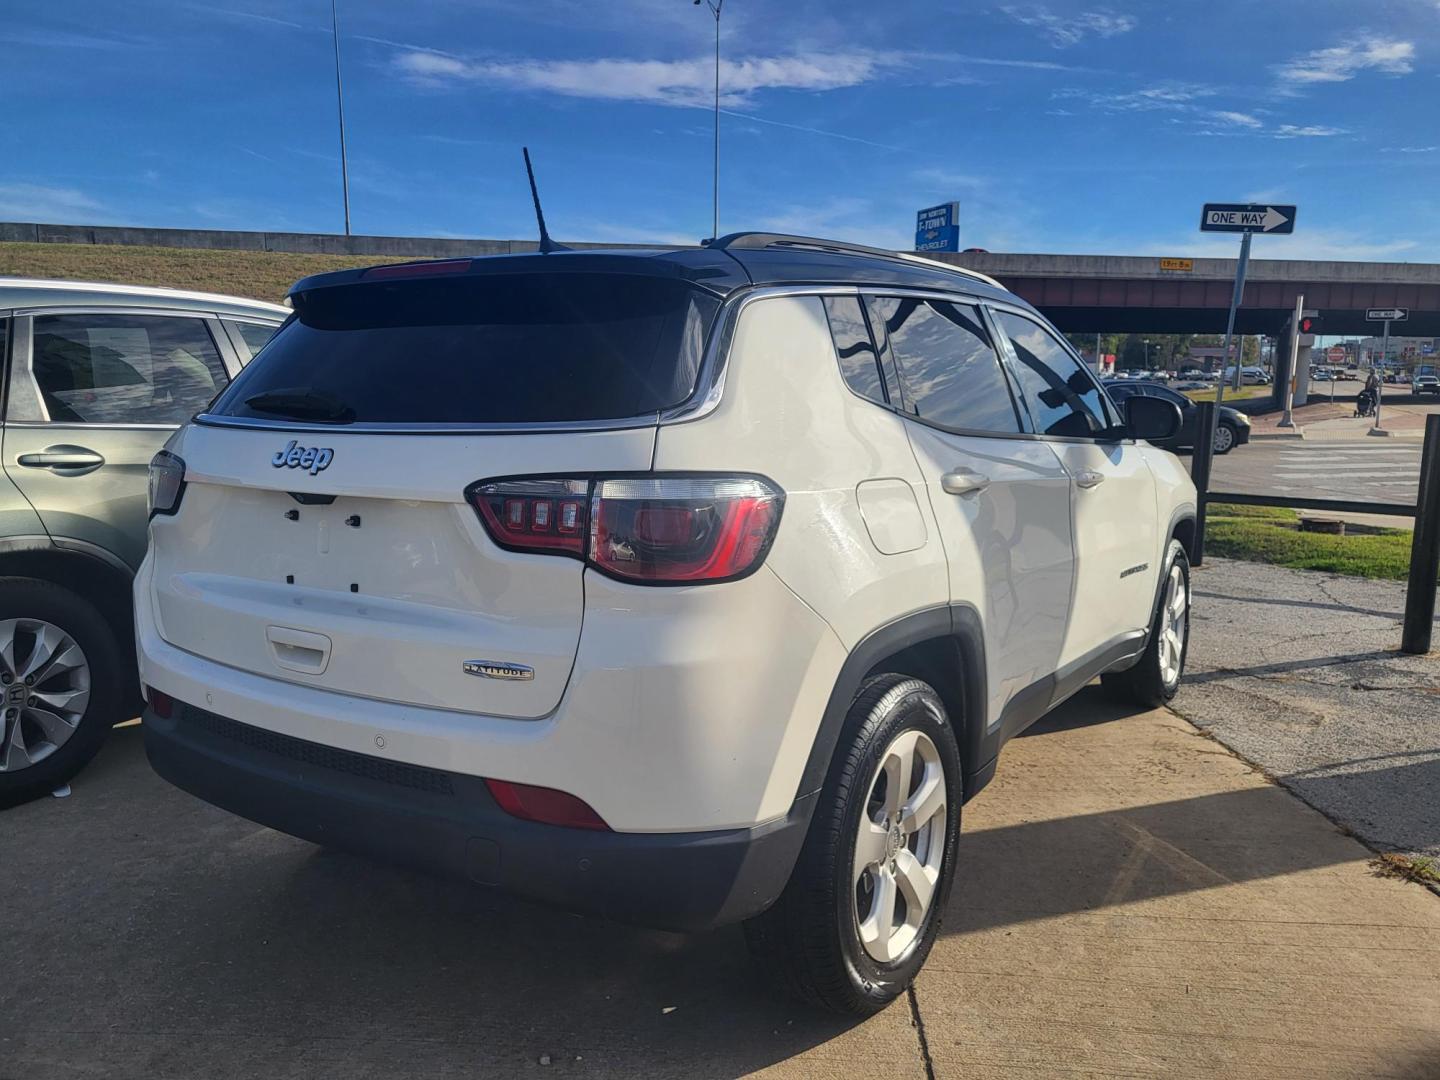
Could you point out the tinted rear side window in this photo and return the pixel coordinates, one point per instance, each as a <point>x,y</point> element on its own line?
<point>948,371</point>
<point>522,348</point>
<point>853,346</point>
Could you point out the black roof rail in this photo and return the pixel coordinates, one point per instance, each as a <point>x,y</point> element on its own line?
<point>758,241</point>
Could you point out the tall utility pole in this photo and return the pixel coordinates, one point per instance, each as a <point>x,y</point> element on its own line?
<point>715,7</point>
<point>340,106</point>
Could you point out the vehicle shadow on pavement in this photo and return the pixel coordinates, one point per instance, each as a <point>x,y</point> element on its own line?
<point>163,937</point>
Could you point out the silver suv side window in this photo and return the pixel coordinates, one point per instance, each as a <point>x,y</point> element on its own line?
<point>124,369</point>
<point>1062,397</point>
<point>253,334</point>
<point>949,374</point>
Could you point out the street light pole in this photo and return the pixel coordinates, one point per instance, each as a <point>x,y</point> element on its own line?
<point>340,106</point>
<point>715,7</point>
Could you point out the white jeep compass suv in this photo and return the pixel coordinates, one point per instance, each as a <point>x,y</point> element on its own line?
<point>682,587</point>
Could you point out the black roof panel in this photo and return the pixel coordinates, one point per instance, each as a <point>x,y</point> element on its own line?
<point>721,270</point>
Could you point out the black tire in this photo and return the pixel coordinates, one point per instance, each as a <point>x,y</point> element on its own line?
<point>1146,683</point>
<point>33,598</point>
<point>1230,443</point>
<point>809,941</point>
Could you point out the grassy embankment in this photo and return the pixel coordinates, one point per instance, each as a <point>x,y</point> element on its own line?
<point>260,275</point>
<point>1272,535</point>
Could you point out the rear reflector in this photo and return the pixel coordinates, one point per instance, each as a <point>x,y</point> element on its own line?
<point>659,530</point>
<point>417,269</point>
<point>545,805</point>
<point>161,703</point>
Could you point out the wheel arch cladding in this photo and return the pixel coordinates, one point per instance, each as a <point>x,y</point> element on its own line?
<point>943,646</point>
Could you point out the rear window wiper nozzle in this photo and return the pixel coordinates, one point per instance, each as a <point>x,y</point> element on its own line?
<point>302,404</point>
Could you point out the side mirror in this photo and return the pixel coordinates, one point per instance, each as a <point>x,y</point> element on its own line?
<point>1151,418</point>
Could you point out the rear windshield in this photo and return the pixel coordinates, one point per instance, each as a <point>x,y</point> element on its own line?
<point>519,348</point>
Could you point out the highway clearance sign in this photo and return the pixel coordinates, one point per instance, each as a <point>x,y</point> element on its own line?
<point>1247,218</point>
<point>1387,314</point>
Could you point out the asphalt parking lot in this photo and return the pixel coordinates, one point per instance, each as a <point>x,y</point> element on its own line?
<point>1133,900</point>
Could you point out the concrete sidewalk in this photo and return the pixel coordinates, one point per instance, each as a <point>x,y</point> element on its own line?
<point>1132,900</point>
<point>1300,672</point>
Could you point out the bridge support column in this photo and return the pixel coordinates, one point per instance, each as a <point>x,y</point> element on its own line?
<point>1302,369</point>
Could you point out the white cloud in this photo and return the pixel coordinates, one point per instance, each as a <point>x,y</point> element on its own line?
<point>1062,31</point>
<point>1409,149</point>
<point>656,82</point>
<point>1164,96</point>
<point>1343,62</point>
<point>49,205</point>
<point>1237,119</point>
<point>1309,131</point>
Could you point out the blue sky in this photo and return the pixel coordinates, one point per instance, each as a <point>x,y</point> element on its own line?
<point>1064,127</point>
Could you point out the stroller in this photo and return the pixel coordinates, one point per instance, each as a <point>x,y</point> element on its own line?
<point>1365,403</point>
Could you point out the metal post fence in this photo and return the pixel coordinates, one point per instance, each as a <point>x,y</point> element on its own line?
<point>1424,548</point>
<point>1201,459</point>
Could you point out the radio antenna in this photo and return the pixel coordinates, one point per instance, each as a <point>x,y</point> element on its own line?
<point>546,244</point>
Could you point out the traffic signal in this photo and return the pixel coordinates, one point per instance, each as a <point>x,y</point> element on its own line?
<point>1310,324</point>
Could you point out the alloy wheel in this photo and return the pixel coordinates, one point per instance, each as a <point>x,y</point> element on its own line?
<point>1224,439</point>
<point>1174,624</point>
<point>44,691</point>
<point>900,846</point>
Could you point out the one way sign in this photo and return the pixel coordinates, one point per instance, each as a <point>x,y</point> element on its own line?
<point>1247,218</point>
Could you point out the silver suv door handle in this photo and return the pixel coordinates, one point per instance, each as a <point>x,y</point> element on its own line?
<point>964,482</point>
<point>1089,478</point>
<point>62,458</point>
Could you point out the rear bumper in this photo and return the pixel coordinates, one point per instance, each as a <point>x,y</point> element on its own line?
<point>447,823</point>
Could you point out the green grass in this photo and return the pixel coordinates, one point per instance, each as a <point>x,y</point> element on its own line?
<point>1272,535</point>
<point>260,275</point>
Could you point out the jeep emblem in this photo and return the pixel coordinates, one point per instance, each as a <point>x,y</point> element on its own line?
<point>314,458</point>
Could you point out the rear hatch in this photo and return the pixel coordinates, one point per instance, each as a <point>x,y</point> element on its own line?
<point>323,534</point>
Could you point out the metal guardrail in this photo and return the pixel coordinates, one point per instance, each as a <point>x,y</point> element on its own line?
<point>1420,590</point>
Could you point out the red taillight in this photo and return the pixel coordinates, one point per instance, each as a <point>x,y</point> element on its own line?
<point>416,269</point>
<point>535,515</point>
<point>656,529</point>
<point>682,529</point>
<point>161,703</point>
<point>545,805</point>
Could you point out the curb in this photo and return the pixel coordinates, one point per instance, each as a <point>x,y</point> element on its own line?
<point>1296,433</point>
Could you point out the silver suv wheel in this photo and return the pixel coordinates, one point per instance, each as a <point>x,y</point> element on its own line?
<point>45,688</point>
<point>900,846</point>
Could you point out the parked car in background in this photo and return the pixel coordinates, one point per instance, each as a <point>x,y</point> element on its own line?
<point>99,376</point>
<point>1232,426</point>
<point>1426,384</point>
<point>1249,376</point>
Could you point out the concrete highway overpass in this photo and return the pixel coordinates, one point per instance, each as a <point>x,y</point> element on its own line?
<point>1127,293</point>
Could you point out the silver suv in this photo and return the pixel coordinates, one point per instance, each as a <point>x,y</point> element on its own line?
<point>97,377</point>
